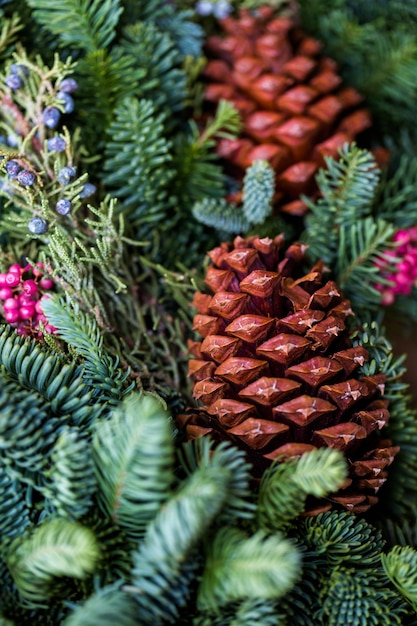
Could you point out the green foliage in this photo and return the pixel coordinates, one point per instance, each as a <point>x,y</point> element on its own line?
<point>343,539</point>
<point>8,34</point>
<point>258,191</point>
<point>160,77</point>
<point>397,200</point>
<point>400,565</point>
<point>107,607</point>
<point>350,598</point>
<point>84,337</point>
<point>72,477</point>
<point>133,460</point>
<point>88,25</point>
<point>221,215</point>
<point>229,573</point>
<point>54,551</point>
<point>137,160</point>
<point>399,495</point>
<point>376,47</point>
<point>344,229</point>
<point>285,486</point>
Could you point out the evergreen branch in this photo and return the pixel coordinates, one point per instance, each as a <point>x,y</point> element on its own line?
<point>349,597</point>
<point>221,215</point>
<point>183,30</point>
<point>137,160</point>
<point>400,565</point>
<point>85,338</point>
<point>60,384</point>
<point>320,472</point>
<point>225,124</point>
<point>397,201</point>
<point>250,612</point>
<point>14,512</point>
<point>238,567</point>
<point>343,538</point>
<point>347,188</point>
<point>107,607</point>
<point>133,459</point>
<point>258,192</point>
<point>165,561</point>
<point>57,549</point>
<point>72,478</point>
<point>157,64</point>
<point>87,25</point>
<point>362,249</point>
<point>285,486</point>
<point>8,33</point>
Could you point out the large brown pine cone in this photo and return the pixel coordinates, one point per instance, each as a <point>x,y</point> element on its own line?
<point>276,372</point>
<point>294,108</point>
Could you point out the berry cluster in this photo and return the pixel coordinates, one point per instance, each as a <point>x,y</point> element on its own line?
<point>220,9</point>
<point>405,277</point>
<point>22,290</point>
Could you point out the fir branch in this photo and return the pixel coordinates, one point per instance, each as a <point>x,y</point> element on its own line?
<point>238,567</point>
<point>349,597</point>
<point>165,561</point>
<point>60,384</point>
<point>221,215</point>
<point>157,64</point>
<point>107,607</point>
<point>71,474</point>
<point>347,188</point>
<point>133,460</point>
<point>362,249</point>
<point>87,25</point>
<point>183,30</point>
<point>85,338</point>
<point>14,512</point>
<point>57,549</point>
<point>258,192</point>
<point>343,538</point>
<point>285,486</point>
<point>397,201</point>
<point>250,612</point>
<point>137,161</point>
<point>400,565</point>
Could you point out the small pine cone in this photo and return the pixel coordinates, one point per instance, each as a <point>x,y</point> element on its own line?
<point>276,371</point>
<point>294,108</point>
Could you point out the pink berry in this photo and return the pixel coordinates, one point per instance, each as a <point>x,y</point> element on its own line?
<point>41,318</point>
<point>38,307</point>
<point>11,304</point>
<point>27,312</point>
<point>6,292</point>
<point>46,283</point>
<point>3,282</point>
<point>15,269</point>
<point>23,300</point>
<point>30,287</point>
<point>49,328</point>
<point>12,316</point>
<point>12,279</point>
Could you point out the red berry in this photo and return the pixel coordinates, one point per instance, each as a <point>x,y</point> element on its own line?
<point>23,300</point>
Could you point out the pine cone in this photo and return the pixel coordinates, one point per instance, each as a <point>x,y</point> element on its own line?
<point>294,108</point>
<point>276,371</point>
